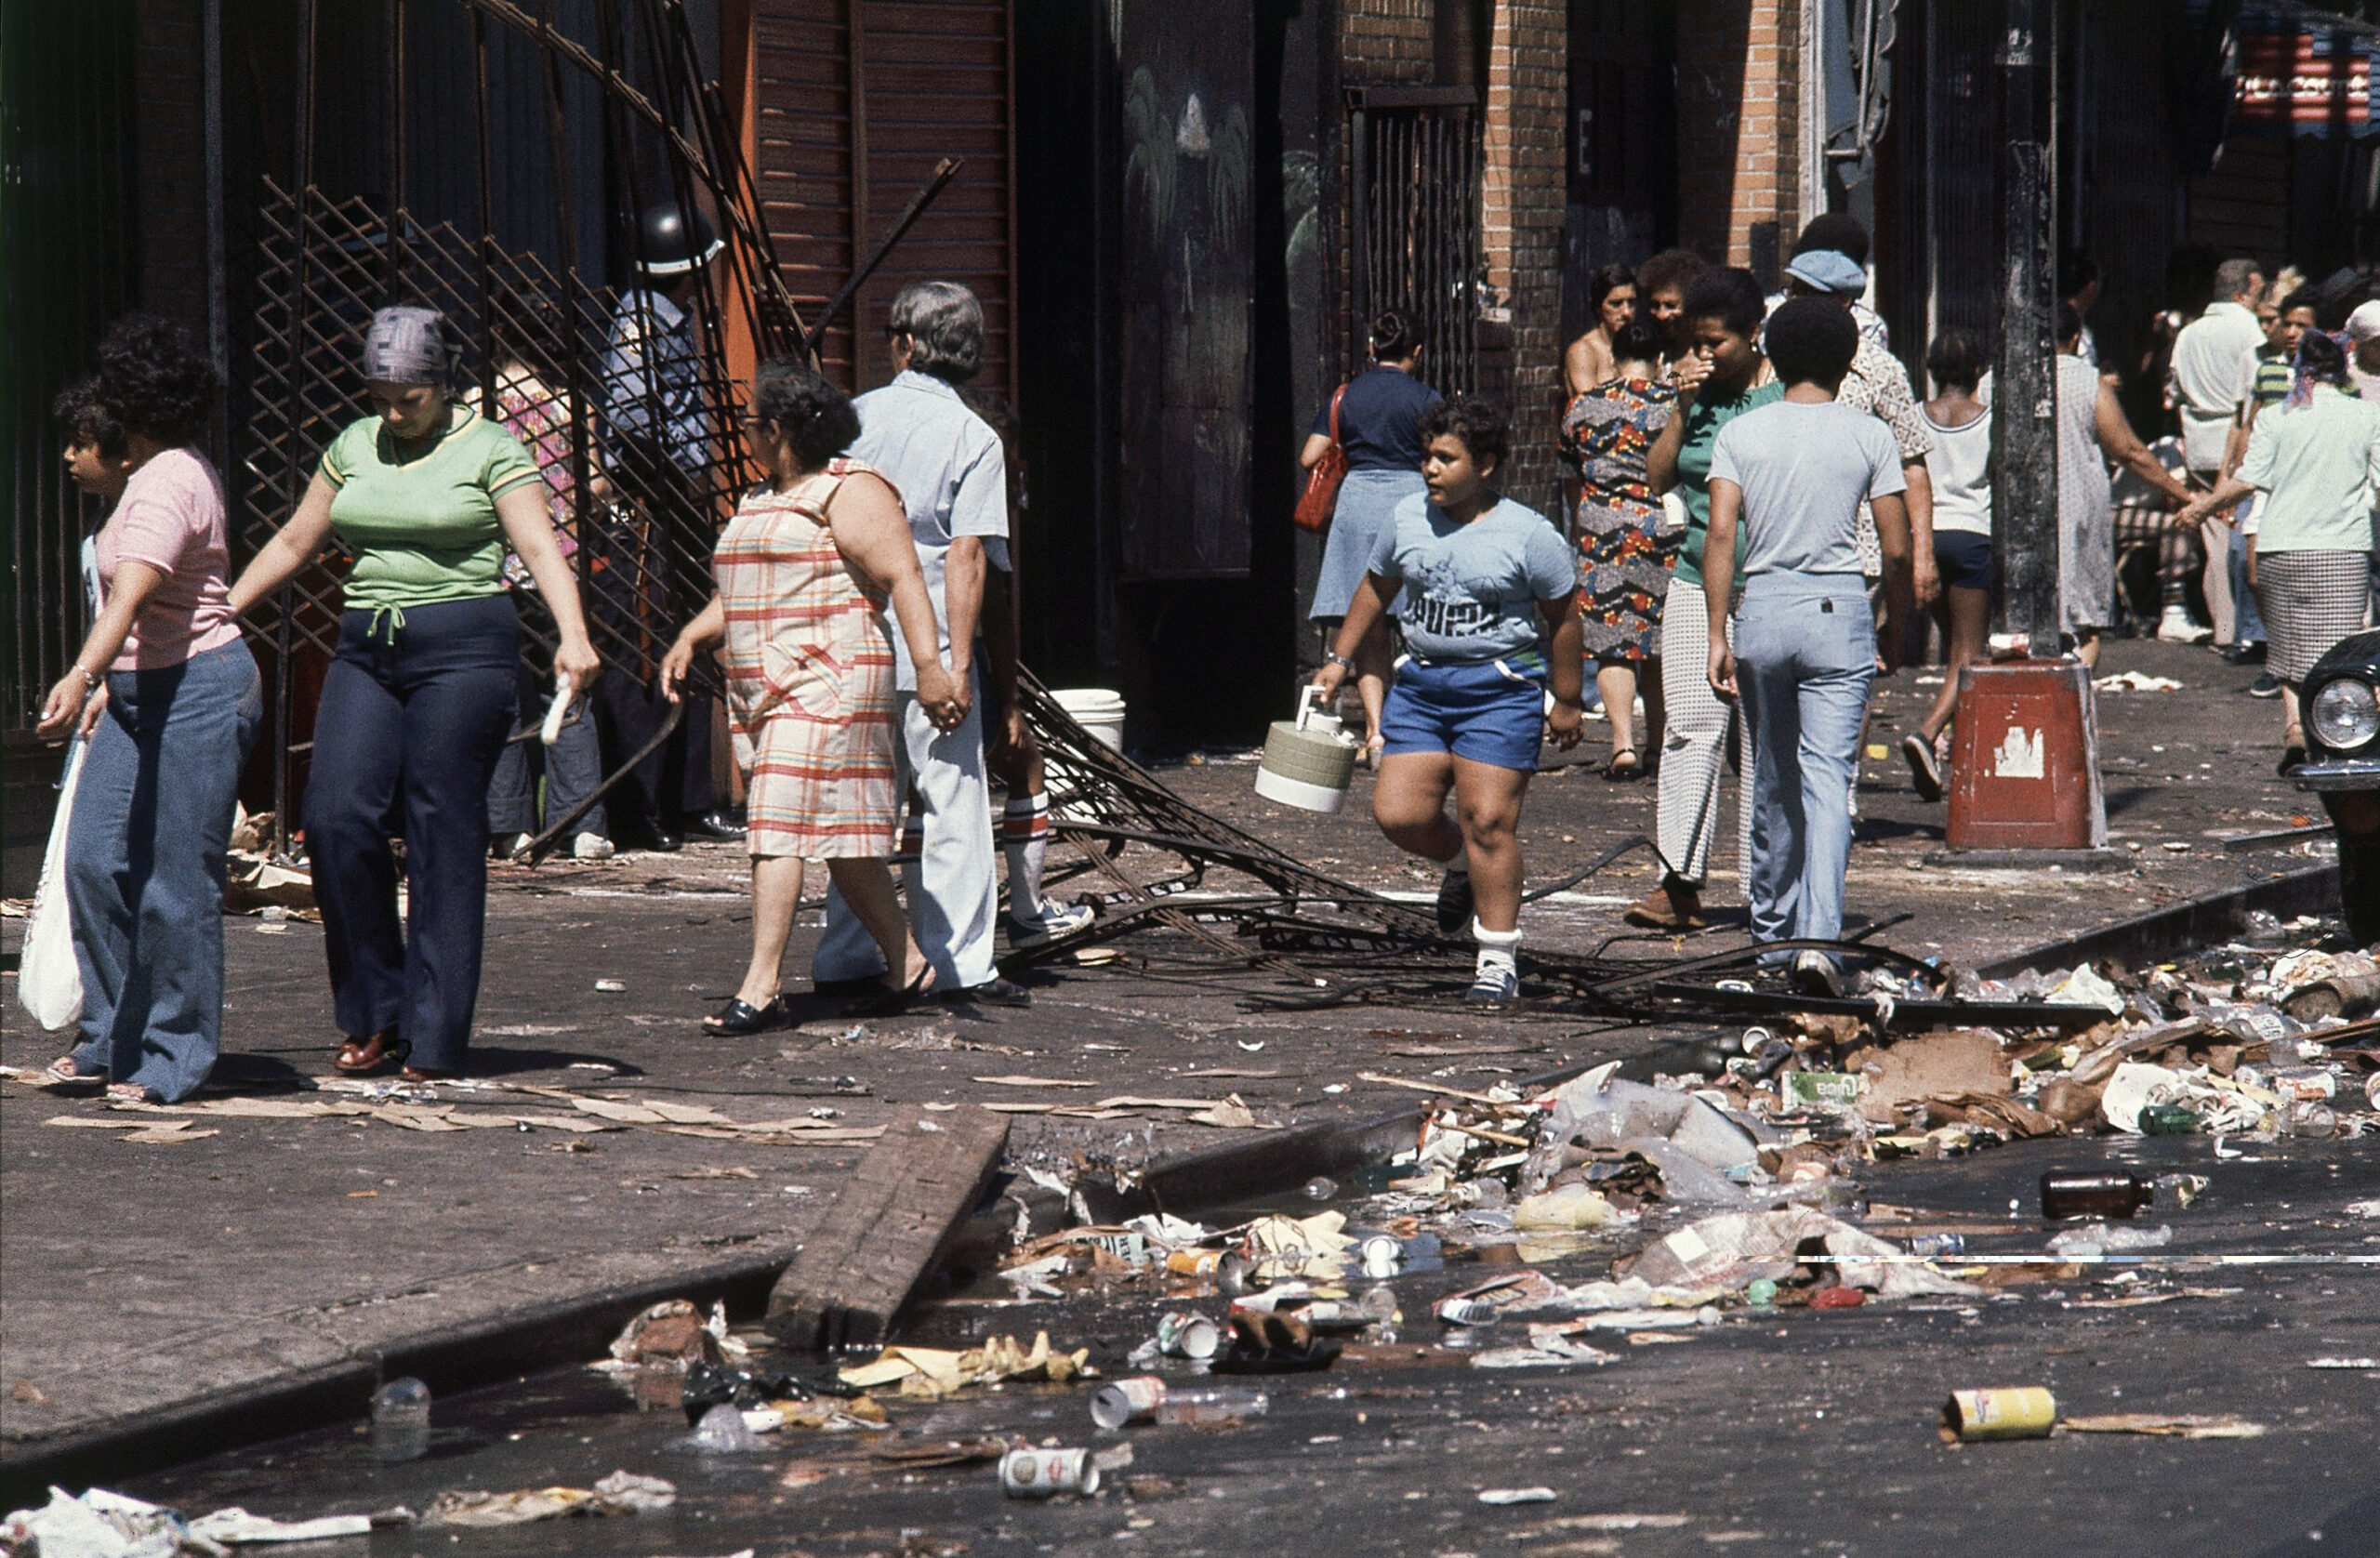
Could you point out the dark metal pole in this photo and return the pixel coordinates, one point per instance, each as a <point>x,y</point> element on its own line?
<point>2024,399</point>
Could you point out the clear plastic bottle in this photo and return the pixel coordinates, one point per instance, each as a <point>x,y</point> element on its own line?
<point>401,1420</point>
<point>724,1432</point>
<point>1205,1406</point>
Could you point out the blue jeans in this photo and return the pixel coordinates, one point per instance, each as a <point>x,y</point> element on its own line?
<point>145,869</point>
<point>1806,652</point>
<point>573,769</point>
<point>1490,711</point>
<point>406,739</point>
<point>2247,623</point>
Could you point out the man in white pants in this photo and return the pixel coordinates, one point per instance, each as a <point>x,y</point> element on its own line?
<point>2211,371</point>
<point>947,465</point>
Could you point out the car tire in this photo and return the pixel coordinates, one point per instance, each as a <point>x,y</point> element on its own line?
<point>2359,888</point>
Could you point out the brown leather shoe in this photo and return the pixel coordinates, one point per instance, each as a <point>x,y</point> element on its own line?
<point>1674,905</point>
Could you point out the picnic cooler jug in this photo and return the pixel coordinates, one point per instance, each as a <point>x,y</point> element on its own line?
<point>1309,760</point>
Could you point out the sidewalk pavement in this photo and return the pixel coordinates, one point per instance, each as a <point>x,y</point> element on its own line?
<point>214,1256</point>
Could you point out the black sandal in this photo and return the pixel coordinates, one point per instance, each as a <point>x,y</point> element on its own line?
<point>889,1002</point>
<point>1625,767</point>
<point>739,1017</point>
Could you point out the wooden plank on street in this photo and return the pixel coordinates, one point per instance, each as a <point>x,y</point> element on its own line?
<point>915,1187</point>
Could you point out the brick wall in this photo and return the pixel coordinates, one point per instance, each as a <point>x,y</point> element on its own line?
<point>171,137</point>
<point>1388,40</point>
<point>1738,68</point>
<point>1521,217</point>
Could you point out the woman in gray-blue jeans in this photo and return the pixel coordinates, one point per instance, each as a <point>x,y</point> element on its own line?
<point>170,699</point>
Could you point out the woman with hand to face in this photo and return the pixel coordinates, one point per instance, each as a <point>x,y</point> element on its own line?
<point>805,571</point>
<point>425,494</point>
<point>1722,376</point>
<point>169,698</point>
<point>1490,609</point>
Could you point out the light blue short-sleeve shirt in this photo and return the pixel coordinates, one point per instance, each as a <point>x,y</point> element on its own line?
<point>1804,468</point>
<point>1472,590</point>
<point>947,465</point>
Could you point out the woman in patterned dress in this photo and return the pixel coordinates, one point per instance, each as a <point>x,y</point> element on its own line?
<point>805,569</point>
<point>1626,551</point>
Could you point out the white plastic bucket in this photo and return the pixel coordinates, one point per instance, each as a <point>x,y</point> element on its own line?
<point>1096,710</point>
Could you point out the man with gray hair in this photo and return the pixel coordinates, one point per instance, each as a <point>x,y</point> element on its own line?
<point>948,467</point>
<point>2208,382</point>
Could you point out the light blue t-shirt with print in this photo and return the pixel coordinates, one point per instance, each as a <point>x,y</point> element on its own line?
<point>1472,590</point>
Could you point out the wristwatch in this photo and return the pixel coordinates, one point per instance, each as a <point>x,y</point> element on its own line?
<point>1332,657</point>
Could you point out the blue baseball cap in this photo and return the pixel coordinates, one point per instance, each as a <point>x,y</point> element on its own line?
<point>1830,271</point>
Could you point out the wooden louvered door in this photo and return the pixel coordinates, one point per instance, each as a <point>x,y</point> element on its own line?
<point>854,101</point>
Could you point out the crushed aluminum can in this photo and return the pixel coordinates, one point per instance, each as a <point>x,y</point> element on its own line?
<point>1195,1262</point>
<point>1132,1248</point>
<point>1932,1245</point>
<point>1459,1310</point>
<point>2027,1412</point>
<point>1183,1335</point>
<point>1127,1401</point>
<point>2304,1084</point>
<point>1046,1474</point>
<point>1799,1089</point>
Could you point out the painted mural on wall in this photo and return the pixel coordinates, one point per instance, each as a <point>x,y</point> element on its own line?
<point>1187,278</point>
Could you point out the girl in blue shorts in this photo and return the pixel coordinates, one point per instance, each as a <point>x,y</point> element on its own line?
<point>1486,582</point>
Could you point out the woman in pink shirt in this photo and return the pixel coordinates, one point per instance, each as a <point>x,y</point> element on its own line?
<point>169,698</point>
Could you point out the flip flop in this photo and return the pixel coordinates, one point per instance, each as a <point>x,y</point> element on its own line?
<point>65,1077</point>
<point>889,1002</point>
<point>1625,767</point>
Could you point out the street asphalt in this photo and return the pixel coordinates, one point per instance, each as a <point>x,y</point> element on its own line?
<point>239,1253</point>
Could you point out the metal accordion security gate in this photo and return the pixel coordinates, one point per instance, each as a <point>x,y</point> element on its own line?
<point>579,355</point>
<point>1417,159</point>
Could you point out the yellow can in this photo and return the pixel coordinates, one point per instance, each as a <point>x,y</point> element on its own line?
<point>2025,1412</point>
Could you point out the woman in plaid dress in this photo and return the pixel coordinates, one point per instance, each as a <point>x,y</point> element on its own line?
<point>805,569</point>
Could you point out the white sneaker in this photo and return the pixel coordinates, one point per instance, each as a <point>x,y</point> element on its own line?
<point>511,846</point>
<point>1495,983</point>
<point>1815,973</point>
<point>591,846</point>
<point>2176,628</point>
<point>1055,919</point>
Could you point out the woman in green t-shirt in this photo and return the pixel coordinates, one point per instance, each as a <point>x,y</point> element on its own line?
<point>425,494</point>
<point>1721,376</point>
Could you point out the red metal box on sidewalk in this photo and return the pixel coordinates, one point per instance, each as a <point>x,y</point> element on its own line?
<point>2025,762</point>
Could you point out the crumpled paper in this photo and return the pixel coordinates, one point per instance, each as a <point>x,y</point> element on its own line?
<point>932,1373</point>
<point>2223,1104</point>
<point>1733,1249</point>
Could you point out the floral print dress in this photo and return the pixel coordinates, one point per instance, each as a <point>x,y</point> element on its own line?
<point>1625,553</point>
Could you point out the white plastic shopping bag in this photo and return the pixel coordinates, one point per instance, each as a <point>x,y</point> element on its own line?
<point>50,981</point>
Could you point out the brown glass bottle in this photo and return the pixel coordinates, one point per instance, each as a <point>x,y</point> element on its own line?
<point>2067,1193</point>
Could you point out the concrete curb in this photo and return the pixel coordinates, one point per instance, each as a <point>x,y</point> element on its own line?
<point>2162,932</point>
<point>508,1346</point>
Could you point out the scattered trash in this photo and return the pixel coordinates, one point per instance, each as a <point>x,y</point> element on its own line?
<point>2178,1426</point>
<point>2343,1363</point>
<point>930,1374</point>
<point>1127,1401</point>
<point>2026,1412</point>
<point>236,1527</point>
<point>1517,1495</point>
<point>1043,1473</point>
<point>1181,1335</point>
<point>401,1420</point>
<point>2136,682</point>
<point>2098,1238</point>
<point>621,1493</point>
<point>723,1431</point>
<point>2093,1193</point>
<point>611,987</point>
<point>1210,1405</point>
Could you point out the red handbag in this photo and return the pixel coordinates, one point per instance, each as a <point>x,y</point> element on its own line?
<point>1321,494</point>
